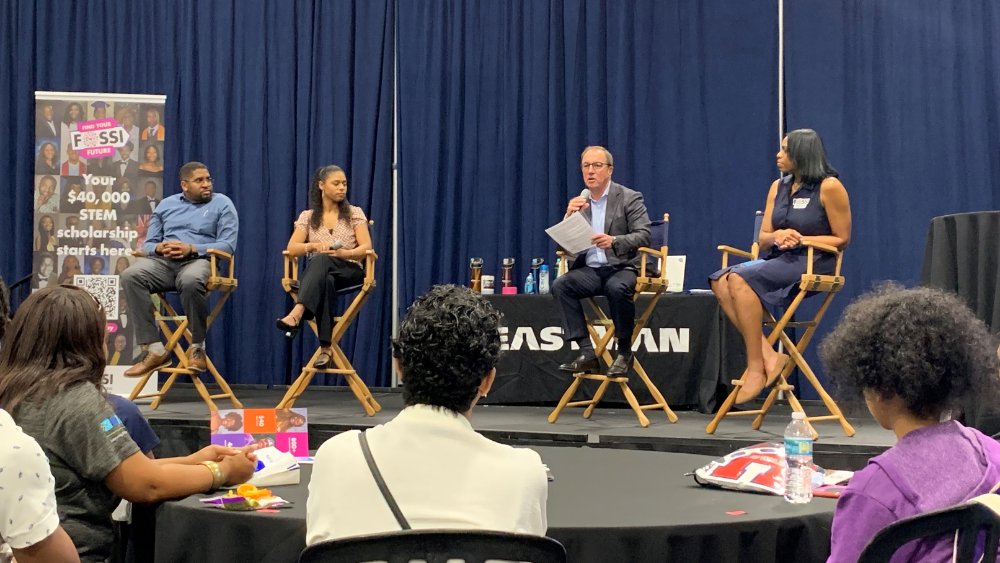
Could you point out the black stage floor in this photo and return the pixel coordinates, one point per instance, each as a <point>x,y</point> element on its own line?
<point>182,424</point>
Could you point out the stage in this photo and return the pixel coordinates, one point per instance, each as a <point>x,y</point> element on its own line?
<point>182,424</point>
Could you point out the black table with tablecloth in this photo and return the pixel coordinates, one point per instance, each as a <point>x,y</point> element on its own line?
<point>962,255</point>
<point>605,506</point>
<point>689,349</point>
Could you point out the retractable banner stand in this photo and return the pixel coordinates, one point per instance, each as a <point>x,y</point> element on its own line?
<point>98,178</point>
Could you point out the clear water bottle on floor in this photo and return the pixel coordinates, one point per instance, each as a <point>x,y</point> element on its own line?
<point>799,458</point>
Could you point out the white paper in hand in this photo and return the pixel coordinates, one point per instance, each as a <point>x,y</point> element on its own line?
<point>275,467</point>
<point>572,233</point>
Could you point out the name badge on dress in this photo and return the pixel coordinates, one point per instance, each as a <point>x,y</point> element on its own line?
<point>800,202</point>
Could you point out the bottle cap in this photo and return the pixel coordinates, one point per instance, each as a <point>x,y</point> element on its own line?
<point>545,268</point>
<point>798,415</point>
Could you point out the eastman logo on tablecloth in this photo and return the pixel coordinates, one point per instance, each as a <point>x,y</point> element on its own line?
<point>549,339</point>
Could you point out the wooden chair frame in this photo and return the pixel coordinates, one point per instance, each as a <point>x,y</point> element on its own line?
<point>224,285</point>
<point>344,367</point>
<point>644,284</point>
<point>810,282</point>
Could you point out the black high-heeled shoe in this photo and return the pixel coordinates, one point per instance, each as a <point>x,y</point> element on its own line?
<point>323,361</point>
<point>290,330</point>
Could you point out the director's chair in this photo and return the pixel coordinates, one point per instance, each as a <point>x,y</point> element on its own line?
<point>644,284</point>
<point>291,284</point>
<point>810,283</point>
<point>224,285</point>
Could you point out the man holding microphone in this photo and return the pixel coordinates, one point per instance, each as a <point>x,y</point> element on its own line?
<point>610,267</point>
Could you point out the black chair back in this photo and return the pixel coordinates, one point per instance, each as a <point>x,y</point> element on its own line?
<point>758,220</point>
<point>18,292</point>
<point>437,546</point>
<point>658,234</point>
<point>969,520</point>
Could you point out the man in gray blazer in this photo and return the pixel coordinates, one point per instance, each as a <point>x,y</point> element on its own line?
<point>609,268</point>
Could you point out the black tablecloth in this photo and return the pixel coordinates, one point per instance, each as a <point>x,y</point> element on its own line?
<point>689,349</point>
<point>962,255</point>
<point>604,506</point>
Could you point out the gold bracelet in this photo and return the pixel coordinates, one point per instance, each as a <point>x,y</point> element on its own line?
<point>217,478</point>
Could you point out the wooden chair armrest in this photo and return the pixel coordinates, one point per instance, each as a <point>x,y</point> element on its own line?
<point>214,256</point>
<point>658,253</point>
<point>821,246</point>
<point>825,248</point>
<point>138,253</point>
<point>291,265</point>
<point>219,254</point>
<point>735,251</point>
<point>564,254</point>
<point>661,254</point>
<point>370,258</point>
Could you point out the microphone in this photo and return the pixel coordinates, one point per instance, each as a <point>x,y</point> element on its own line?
<point>336,244</point>
<point>584,194</point>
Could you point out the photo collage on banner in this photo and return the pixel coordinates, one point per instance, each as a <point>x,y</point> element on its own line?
<point>98,177</point>
<point>285,429</point>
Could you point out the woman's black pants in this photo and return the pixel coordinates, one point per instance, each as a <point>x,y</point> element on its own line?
<point>318,286</point>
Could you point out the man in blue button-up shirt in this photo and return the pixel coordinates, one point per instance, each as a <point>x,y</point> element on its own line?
<point>182,229</point>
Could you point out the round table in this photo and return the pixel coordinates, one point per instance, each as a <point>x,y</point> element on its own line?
<point>605,505</point>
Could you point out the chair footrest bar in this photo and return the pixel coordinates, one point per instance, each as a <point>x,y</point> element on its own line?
<point>824,417</point>
<point>580,403</point>
<point>340,371</point>
<point>741,413</point>
<point>222,396</point>
<point>653,406</point>
<point>598,377</point>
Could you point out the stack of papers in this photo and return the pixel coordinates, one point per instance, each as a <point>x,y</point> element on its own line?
<point>573,233</point>
<point>275,467</point>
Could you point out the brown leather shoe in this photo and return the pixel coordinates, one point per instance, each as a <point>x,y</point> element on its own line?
<point>197,359</point>
<point>150,362</point>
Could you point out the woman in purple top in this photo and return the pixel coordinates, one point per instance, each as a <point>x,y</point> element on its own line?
<point>914,355</point>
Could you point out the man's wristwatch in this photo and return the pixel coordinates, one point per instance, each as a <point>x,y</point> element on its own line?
<point>613,239</point>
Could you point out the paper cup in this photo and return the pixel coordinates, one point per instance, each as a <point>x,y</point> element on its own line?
<point>487,284</point>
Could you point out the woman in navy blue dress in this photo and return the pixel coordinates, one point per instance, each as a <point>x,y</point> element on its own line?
<point>808,203</point>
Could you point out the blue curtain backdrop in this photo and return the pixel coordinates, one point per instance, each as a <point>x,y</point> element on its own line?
<point>263,92</point>
<point>906,96</point>
<point>498,99</point>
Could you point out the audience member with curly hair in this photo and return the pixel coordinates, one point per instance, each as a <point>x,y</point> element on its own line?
<point>441,473</point>
<point>914,355</point>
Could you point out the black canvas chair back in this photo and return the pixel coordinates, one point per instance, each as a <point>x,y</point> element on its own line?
<point>971,521</point>
<point>758,221</point>
<point>437,546</point>
<point>658,232</point>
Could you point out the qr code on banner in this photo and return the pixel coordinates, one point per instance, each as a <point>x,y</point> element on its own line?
<point>104,289</point>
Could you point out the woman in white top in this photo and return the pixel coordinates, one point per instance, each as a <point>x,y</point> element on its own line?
<point>334,235</point>
<point>441,472</point>
<point>29,523</point>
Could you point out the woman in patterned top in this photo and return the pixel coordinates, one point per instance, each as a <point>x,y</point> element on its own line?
<point>334,235</point>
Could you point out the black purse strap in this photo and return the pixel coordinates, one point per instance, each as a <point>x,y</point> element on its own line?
<point>381,482</point>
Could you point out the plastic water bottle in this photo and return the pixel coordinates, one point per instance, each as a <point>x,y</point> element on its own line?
<point>799,458</point>
<point>543,280</point>
<point>529,285</point>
